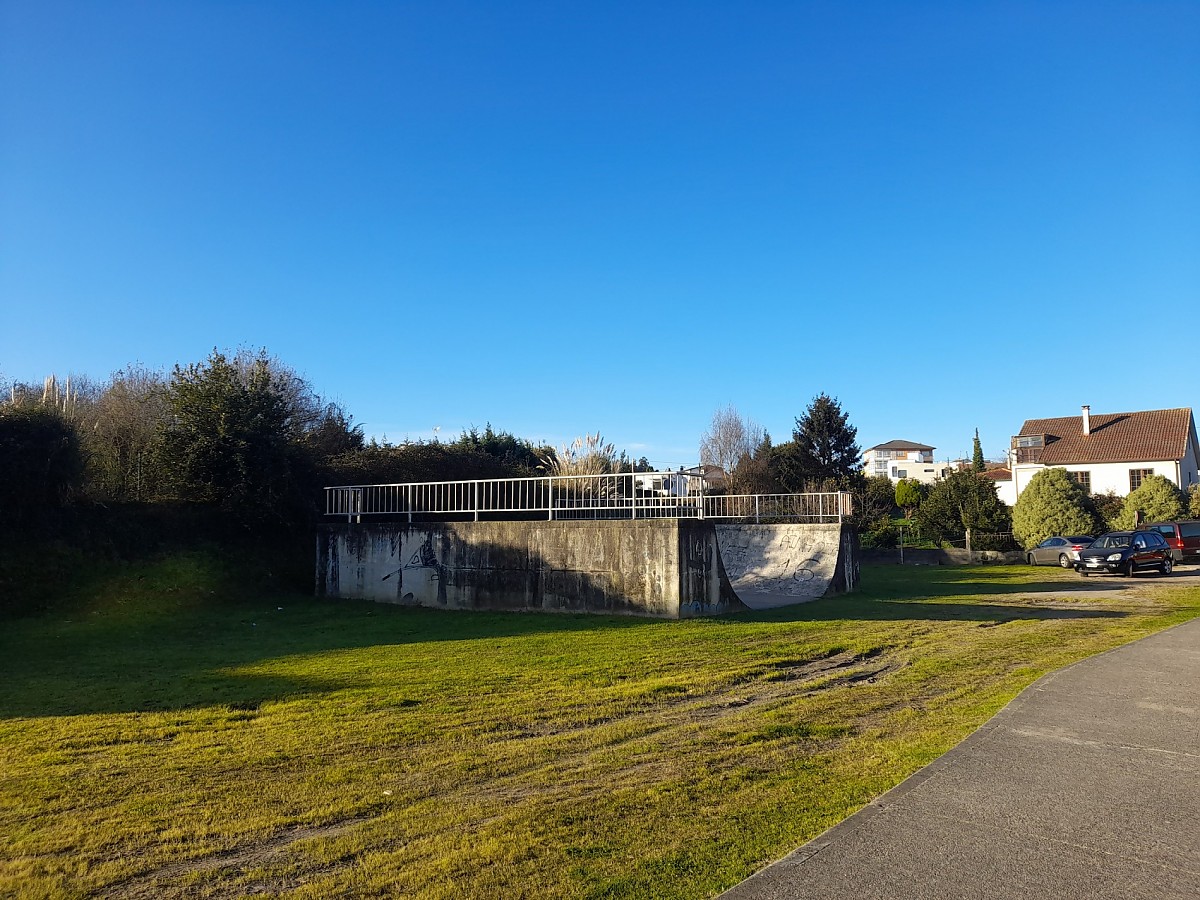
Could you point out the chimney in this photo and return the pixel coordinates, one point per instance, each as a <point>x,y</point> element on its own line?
<point>1087,421</point>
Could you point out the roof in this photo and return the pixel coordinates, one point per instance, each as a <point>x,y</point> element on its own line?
<point>997,474</point>
<point>1150,435</point>
<point>900,445</point>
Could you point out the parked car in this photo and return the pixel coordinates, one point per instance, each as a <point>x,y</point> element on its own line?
<point>1182,537</point>
<point>1058,551</point>
<point>1126,552</point>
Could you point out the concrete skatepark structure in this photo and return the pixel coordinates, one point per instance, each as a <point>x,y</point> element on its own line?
<point>664,568</point>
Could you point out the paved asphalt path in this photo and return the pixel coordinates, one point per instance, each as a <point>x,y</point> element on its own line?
<point>1086,785</point>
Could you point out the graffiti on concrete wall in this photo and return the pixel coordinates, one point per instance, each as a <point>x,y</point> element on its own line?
<point>422,579</point>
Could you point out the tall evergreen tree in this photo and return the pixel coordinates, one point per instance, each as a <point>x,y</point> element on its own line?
<point>977,461</point>
<point>823,452</point>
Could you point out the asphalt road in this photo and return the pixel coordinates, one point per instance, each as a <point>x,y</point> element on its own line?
<point>1086,785</point>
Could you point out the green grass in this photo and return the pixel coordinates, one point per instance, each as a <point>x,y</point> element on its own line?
<point>169,732</point>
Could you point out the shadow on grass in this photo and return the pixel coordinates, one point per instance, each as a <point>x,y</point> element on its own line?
<point>175,647</point>
<point>134,661</point>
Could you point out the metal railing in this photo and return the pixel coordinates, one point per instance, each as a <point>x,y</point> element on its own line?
<point>827,507</point>
<point>578,497</point>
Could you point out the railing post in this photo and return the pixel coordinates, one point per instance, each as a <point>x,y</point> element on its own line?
<point>475,500</point>
<point>756,522</point>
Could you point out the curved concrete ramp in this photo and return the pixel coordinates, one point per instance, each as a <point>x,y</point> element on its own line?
<point>779,565</point>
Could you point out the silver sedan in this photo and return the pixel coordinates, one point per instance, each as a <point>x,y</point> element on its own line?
<point>1058,551</point>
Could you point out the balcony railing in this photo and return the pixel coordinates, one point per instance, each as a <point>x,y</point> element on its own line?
<point>579,497</point>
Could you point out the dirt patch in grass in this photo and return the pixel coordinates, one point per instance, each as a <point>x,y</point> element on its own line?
<point>231,864</point>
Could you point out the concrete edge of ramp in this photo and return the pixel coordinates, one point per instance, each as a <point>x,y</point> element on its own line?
<point>787,877</point>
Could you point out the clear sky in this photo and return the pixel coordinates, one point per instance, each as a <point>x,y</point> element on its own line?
<point>570,217</point>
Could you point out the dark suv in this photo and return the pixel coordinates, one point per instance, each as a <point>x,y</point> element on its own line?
<point>1126,552</point>
<point>1182,537</point>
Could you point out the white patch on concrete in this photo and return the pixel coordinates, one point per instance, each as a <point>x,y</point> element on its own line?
<point>779,565</point>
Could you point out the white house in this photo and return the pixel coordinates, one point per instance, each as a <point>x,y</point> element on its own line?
<point>1003,479</point>
<point>901,459</point>
<point>1110,451</point>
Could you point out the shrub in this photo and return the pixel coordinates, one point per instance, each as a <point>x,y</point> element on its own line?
<point>1053,503</point>
<point>1158,499</point>
<point>40,463</point>
<point>962,500</point>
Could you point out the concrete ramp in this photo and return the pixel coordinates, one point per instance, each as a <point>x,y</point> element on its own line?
<point>779,565</point>
<point>665,568</point>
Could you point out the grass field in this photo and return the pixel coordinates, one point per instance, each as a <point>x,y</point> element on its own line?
<point>165,734</point>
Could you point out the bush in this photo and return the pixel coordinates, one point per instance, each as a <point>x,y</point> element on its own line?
<point>960,501</point>
<point>1053,503</point>
<point>881,534</point>
<point>1108,508</point>
<point>41,466</point>
<point>1157,498</point>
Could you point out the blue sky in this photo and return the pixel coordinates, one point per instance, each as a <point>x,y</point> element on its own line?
<point>570,217</point>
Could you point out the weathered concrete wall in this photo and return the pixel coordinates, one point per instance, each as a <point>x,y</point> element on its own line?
<point>662,568</point>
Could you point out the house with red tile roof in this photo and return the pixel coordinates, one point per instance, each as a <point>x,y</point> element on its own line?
<point>1109,451</point>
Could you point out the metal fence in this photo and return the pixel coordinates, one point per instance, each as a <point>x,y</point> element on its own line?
<point>628,495</point>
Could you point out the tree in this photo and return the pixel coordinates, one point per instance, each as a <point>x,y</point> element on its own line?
<point>518,454</point>
<point>121,433</point>
<point>231,436</point>
<point>1157,498</point>
<point>908,495</point>
<point>1194,501</point>
<point>40,463</point>
<point>753,474</point>
<point>962,502</point>
<point>1053,503</point>
<point>729,438</point>
<point>977,461</point>
<point>874,499</point>
<point>1108,507</point>
<point>823,453</point>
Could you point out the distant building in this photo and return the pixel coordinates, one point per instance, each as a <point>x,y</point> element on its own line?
<point>901,459</point>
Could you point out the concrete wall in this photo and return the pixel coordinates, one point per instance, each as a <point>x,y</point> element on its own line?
<point>666,568</point>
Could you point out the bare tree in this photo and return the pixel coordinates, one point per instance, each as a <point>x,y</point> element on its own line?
<point>120,435</point>
<point>730,437</point>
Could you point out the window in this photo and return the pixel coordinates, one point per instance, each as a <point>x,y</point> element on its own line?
<point>902,473</point>
<point>1083,479</point>
<point>1137,476</point>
